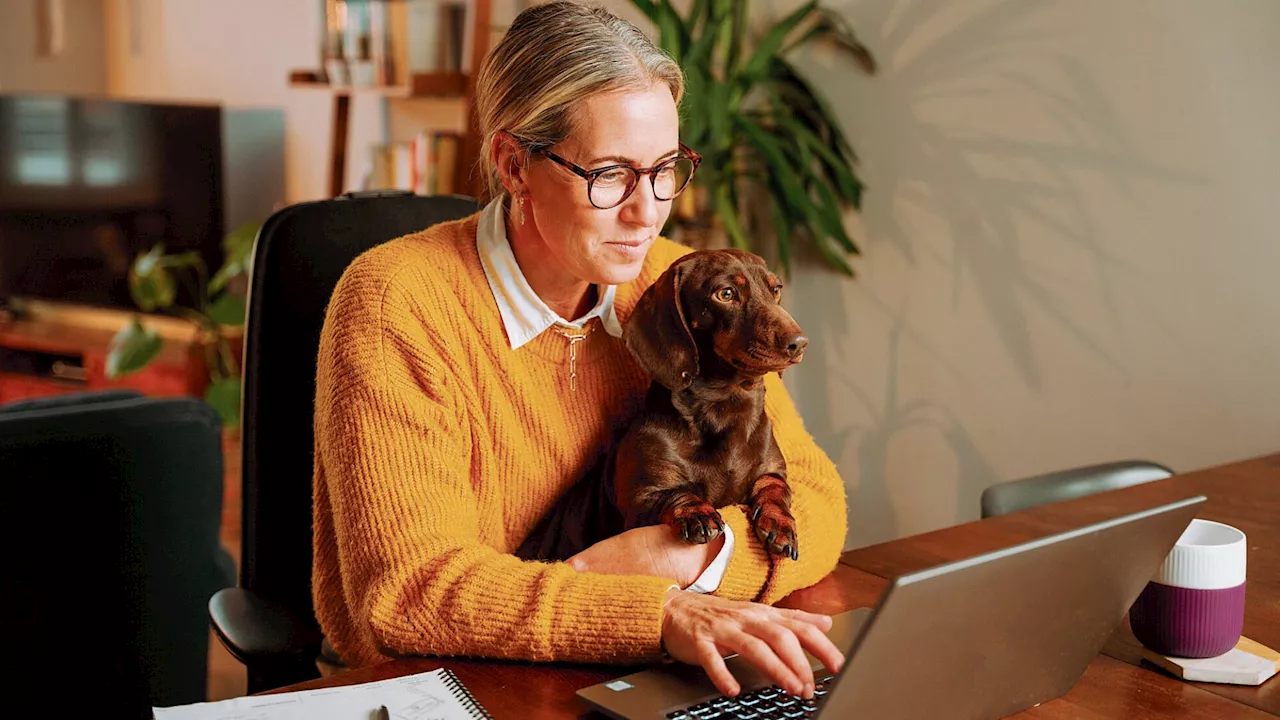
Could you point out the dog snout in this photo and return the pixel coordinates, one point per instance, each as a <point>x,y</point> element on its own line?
<point>796,345</point>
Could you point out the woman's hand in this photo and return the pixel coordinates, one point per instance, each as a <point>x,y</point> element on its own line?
<point>651,550</point>
<point>702,629</point>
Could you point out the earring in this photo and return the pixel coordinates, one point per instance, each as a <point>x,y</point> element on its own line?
<point>520,209</point>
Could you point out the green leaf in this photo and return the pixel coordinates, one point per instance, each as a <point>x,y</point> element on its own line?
<point>224,396</point>
<point>830,26</point>
<point>740,13</point>
<point>673,38</point>
<point>228,309</point>
<point>182,260</point>
<point>701,48</point>
<point>132,349</point>
<point>839,169</point>
<point>833,254</point>
<point>770,149</point>
<point>782,236</point>
<point>829,208</point>
<point>237,249</point>
<point>758,65</point>
<point>151,284</point>
<point>648,7</point>
<point>729,216</point>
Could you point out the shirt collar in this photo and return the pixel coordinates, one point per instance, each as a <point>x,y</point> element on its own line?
<point>524,314</point>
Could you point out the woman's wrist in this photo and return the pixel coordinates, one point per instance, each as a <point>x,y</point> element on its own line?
<point>672,593</point>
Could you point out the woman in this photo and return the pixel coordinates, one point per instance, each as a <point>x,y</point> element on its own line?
<point>469,373</point>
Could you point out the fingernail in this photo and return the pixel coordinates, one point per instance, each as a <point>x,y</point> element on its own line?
<point>808,690</point>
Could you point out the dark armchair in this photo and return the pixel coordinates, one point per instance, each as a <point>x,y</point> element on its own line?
<point>268,622</point>
<point>112,504</point>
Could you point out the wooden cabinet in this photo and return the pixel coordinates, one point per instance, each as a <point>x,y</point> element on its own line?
<point>47,356</point>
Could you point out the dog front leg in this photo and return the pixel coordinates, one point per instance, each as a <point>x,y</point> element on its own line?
<point>770,501</point>
<point>682,509</point>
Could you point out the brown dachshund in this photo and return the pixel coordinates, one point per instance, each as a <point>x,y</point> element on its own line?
<point>707,332</point>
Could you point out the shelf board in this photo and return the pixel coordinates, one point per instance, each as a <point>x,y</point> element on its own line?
<point>421,85</point>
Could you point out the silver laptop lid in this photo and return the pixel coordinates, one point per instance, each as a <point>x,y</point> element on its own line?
<point>992,635</point>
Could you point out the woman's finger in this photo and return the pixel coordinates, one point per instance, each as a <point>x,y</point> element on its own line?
<point>816,642</point>
<point>710,660</point>
<point>822,622</point>
<point>761,655</point>
<point>786,646</point>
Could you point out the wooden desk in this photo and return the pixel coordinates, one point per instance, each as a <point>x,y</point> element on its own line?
<point>1245,495</point>
<point>1115,685</point>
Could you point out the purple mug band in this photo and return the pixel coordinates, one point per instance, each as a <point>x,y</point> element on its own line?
<point>1188,623</point>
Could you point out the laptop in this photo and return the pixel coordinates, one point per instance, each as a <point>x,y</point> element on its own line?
<point>976,639</point>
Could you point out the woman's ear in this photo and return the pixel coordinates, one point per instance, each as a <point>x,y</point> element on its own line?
<point>511,160</point>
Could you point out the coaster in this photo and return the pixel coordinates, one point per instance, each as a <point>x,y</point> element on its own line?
<point>1249,663</point>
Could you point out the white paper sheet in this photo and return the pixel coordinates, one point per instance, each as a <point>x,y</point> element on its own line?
<point>425,696</point>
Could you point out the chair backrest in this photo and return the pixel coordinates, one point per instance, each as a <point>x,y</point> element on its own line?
<point>110,520</point>
<point>300,253</point>
<point>1067,484</point>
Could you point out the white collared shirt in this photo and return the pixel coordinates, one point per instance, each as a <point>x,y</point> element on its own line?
<point>525,316</point>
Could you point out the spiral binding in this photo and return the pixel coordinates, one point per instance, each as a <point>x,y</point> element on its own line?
<point>469,702</point>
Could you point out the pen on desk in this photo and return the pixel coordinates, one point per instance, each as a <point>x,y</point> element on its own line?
<point>383,714</point>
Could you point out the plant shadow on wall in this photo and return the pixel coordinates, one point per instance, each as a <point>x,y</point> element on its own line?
<point>1001,200</point>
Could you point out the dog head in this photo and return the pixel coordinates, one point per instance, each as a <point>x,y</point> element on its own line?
<point>713,314</point>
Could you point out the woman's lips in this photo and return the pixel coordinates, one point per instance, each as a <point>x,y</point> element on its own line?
<point>630,248</point>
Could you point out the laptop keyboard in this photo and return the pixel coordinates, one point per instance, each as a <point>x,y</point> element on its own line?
<point>771,703</point>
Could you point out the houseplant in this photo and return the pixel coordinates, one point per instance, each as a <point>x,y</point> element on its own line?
<point>761,128</point>
<point>153,283</point>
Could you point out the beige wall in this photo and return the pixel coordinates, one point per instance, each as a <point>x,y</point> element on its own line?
<point>239,53</point>
<point>1071,248</point>
<point>78,69</point>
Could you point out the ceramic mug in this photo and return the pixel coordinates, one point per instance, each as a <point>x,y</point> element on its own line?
<point>1194,606</point>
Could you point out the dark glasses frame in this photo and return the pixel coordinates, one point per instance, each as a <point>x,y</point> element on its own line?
<point>590,176</point>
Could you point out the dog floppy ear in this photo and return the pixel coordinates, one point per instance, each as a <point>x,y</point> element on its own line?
<point>658,335</point>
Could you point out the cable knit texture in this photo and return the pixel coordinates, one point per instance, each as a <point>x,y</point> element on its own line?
<point>438,448</point>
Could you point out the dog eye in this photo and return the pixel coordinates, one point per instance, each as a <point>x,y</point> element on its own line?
<point>725,294</point>
<point>777,292</point>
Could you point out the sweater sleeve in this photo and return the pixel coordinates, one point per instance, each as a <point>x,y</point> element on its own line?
<point>817,503</point>
<point>395,449</point>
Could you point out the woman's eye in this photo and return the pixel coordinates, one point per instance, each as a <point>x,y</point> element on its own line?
<point>613,178</point>
<point>724,294</point>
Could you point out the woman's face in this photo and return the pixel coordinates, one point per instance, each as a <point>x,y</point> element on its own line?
<point>635,127</point>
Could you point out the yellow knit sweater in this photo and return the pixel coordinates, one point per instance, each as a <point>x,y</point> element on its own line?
<point>438,448</point>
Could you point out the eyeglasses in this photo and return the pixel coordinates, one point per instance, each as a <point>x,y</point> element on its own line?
<point>608,187</point>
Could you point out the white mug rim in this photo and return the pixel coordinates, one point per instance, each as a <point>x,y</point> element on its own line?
<point>1237,534</point>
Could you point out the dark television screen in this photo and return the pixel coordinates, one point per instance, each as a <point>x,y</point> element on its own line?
<point>87,184</point>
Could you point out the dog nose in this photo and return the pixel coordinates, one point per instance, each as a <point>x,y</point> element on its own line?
<point>797,345</point>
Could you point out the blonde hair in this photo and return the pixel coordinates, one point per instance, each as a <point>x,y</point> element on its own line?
<point>552,57</point>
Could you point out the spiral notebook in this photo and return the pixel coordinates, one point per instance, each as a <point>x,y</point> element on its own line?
<point>434,695</point>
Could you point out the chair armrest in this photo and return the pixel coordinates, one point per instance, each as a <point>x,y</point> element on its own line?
<point>256,631</point>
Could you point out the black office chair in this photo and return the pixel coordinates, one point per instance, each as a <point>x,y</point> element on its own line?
<point>112,504</point>
<point>1068,484</point>
<point>268,622</point>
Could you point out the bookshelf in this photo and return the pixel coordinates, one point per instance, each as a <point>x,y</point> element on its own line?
<point>465,36</point>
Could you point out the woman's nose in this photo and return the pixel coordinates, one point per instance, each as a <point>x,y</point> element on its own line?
<point>642,207</point>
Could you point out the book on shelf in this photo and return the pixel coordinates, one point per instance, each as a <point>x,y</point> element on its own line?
<point>425,36</point>
<point>424,165</point>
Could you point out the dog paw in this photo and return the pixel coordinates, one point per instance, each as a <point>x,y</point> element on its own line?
<point>698,523</point>
<point>777,530</point>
